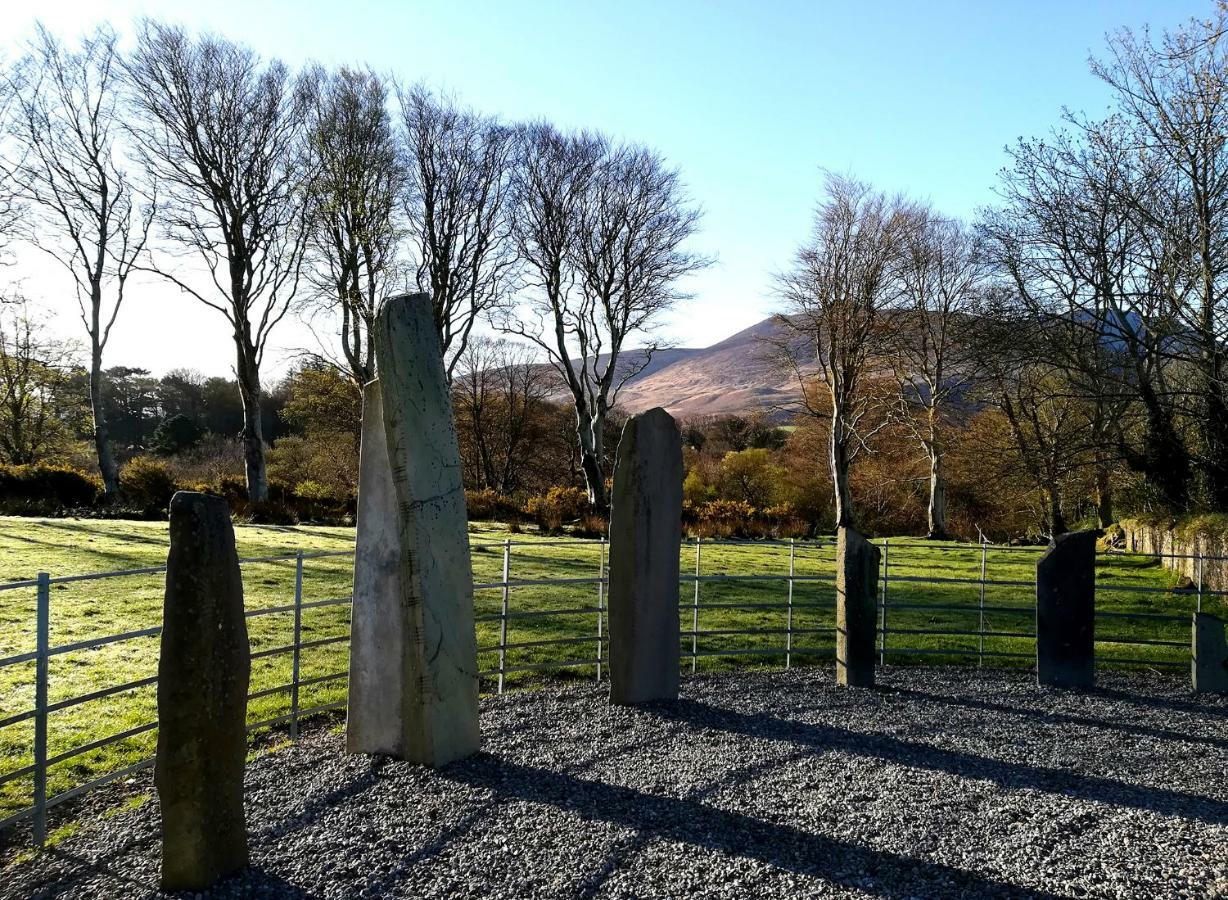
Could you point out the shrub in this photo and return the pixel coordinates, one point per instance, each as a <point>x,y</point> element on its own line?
<point>724,519</point>
<point>45,490</point>
<point>590,525</point>
<point>782,521</point>
<point>557,506</point>
<point>147,483</point>
<point>488,504</point>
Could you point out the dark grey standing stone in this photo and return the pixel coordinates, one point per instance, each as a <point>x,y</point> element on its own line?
<point>856,608</point>
<point>1209,667</point>
<point>203,674</point>
<point>1066,612</point>
<point>645,541</point>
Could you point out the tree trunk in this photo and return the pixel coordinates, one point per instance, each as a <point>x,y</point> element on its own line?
<point>1057,521</point>
<point>839,458</point>
<point>253,427</point>
<point>1215,437</point>
<point>938,497</point>
<point>937,513</point>
<point>590,434</point>
<point>1104,500</point>
<point>107,467</point>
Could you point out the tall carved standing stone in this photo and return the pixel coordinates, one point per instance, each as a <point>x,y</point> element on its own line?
<point>645,540</point>
<point>856,605</point>
<point>203,674</point>
<point>1066,611</point>
<point>413,649</point>
<point>1209,667</point>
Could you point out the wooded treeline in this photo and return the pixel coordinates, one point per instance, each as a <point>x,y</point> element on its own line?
<point>1058,359</point>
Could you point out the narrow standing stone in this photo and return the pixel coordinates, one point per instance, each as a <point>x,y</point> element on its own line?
<point>856,607</point>
<point>645,540</point>
<point>377,638</point>
<point>1066,612</point>
<point>428,710</point>
<point>203,674</point>
<point>1209,667</point>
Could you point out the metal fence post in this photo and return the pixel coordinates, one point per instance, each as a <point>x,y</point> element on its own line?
<point>297,653</point>
<point>42,642</point>
<point>600,603</point>
<point>789,608</point>
<point>507,568</point>
<point>882,644</point>
<point>980,657</point>
<point>695,610</point>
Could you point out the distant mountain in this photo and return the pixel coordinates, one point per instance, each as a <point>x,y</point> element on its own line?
<point>734,376</point>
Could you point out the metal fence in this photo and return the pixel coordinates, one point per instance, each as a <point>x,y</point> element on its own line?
<point>792,609</point>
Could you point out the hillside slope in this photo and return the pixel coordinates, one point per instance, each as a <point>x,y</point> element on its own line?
<point>733,376</point>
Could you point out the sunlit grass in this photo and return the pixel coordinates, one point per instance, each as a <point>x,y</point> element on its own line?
<point>96,608</point>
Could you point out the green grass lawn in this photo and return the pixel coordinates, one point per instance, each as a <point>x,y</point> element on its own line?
<point>96,608</point>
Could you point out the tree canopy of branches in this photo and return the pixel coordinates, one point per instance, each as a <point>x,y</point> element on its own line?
<point>357,180</point>
<point>458,167</point>
<point>602,230</point>
<point>220,132</point>
<point>67,170</point>
<point>843,279</point>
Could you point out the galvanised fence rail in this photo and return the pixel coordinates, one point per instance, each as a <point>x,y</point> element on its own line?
<point>764,600</point>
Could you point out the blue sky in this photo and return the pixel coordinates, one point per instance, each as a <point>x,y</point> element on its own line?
<point>749,99</point>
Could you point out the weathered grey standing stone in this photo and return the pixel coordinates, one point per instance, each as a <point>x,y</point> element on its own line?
<point>645,540</point>
<point>203,674</point>
<point>856,607</point>
<point>1209,667</point>
<point>377,635</point>
<point>1066,611</point>
<point>426,709</point>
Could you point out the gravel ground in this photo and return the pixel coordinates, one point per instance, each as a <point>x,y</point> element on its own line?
<point>941,783</point>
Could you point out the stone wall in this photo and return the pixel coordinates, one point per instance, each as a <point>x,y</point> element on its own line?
<point>1187,544</point>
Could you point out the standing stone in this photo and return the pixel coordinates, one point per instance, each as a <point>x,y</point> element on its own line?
<point>856,608</point>
<point>417,694</point>
<point>1209,667</point>
<point>203,674</point>
<point>377,647</point>
<point>1066,611</point>
<point>645,541</point>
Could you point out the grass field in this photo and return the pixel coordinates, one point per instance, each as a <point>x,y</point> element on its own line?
<point>90,609</point>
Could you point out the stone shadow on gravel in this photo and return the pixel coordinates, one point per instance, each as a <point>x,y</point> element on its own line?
<point>687,821</point>
<point>1059,718</point>
<point>954,762</point>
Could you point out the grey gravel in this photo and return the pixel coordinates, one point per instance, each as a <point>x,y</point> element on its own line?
<point>940,783</point>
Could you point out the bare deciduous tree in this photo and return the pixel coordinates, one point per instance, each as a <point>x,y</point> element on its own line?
<point>68,171</point>
<point>1173,94</point>
<point>221,131</point>
<point>458,166</point>
<point>844,277</point>
<point>941,273</point>
<point>1098,282</point>
<point>36,415</point>
<point>500,399</point>
<point>356,184</point>
<point>602,231</point>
